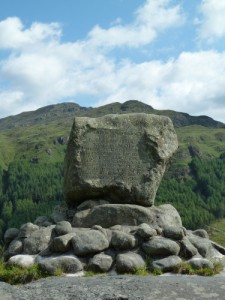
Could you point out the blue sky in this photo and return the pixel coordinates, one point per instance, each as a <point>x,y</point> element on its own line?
<point>167,53</point>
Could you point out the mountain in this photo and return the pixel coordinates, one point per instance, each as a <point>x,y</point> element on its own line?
<point>52,113</point>
<point>32,150</point>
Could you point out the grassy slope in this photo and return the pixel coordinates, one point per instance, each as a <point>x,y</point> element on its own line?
<point>35,141</point>
<point>216,231</point>
<point>7,150</point>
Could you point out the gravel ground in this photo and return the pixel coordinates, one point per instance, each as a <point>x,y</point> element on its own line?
<point>118,288</point>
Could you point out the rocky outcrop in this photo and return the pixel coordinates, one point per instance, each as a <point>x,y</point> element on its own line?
<point>119,158</point>
<point>123,249</point>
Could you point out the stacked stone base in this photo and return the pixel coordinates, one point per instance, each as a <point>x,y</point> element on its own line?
<point>160,243</point>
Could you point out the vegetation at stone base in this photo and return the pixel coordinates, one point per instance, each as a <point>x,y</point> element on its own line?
<point>32,150</point>
<point>186,268</point>
<point>91,274</point>
<point>18,275</point>
<point>182,268</point>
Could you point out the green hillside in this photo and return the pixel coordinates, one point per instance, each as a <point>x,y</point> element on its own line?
<point>32,149</point>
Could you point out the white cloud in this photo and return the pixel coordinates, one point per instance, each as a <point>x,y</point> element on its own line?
<point>14,36</point>
<point>193,83</point>
<point>41,70</point>
<point>151,18</point>
<point>11,100</point>
<point>212,24</point>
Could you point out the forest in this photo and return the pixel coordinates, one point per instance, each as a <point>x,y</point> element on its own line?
<point>199,198</point>
<point>29,190</point>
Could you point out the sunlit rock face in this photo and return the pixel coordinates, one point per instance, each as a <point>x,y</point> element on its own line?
<point>119,158</point>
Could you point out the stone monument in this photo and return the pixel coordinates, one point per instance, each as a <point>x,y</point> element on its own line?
<point>113,167</point>
<point>119,158</point>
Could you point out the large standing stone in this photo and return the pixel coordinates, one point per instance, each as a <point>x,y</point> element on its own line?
<point>119,158</point>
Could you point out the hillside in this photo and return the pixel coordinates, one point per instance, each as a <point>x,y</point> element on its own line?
<point>32,148</point>
<point>63,111</point>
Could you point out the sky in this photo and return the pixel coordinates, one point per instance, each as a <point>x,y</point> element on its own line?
<point>169,54</point>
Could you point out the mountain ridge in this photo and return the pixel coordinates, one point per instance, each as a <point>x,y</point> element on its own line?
<point>70,110</point>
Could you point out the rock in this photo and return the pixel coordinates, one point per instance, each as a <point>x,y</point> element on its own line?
<point>188,250</point>
<point>174,233</point>
<point>201,232</point>
<point>106,232</point>
<point>27,229</point>
<point>62,228</point>
<point>218,247</point>
<point>199,263</point>
<point>59,214</point>
<point>89,242</point>
<point>145,232</point>
<point>160,246</point>
<point>167,264</point>
<point>108,215</point>
<point>15,247</point>
<point>62,243</point>
<point>121,157</point>
<point>129,262</point>
<point>122,241</point>
<point>166,215</point>
<point>65,263</point>
<point>91,203</point>
<point>203,245</point>
<point>100,263</point>
<point>22,260</point>
<point>10,235</point>
<point>43,221</point>
<point>38,240</point>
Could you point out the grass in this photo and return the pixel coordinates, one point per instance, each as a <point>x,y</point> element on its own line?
<point>207,140</point>
<point>17,275</point>
<point>91,274</point>
<point>142,272</point>
<point>186,268</point>
<point>182,268</point>
<point>146,272</point>
<point>216,232</point>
